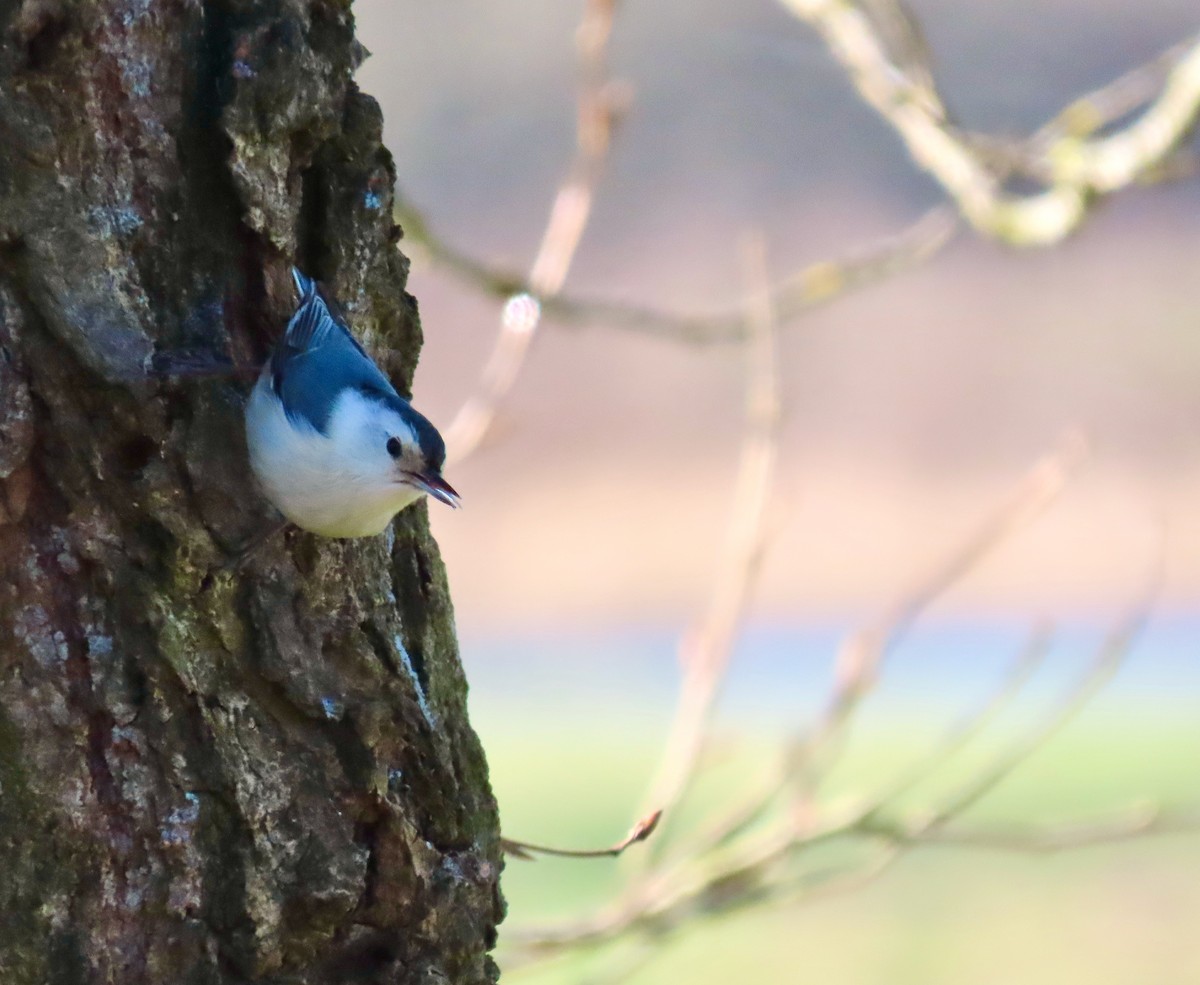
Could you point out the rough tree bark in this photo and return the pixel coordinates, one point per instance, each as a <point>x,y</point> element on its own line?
<point>208,777</point>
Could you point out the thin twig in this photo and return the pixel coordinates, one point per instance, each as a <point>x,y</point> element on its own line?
<point>1086,116</point>
<point>1031,838</point>
<point>859,659</point>
<point>1110,655</point>
<point>1092,112</point>
<point>600,105</point>
<point>705,650</point>
<point>1032,656</point>
<point>527,851</point>
<point>901,37</point>
<point>755,807</point>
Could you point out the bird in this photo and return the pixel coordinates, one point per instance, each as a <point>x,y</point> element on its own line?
<point>334,447</point>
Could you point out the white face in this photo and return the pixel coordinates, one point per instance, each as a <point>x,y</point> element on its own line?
<point>373,442</point>
<point>380,447</point>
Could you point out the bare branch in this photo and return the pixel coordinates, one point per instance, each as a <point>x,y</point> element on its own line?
<point>716,874</point>
<point>1109,657</point>
<point>601,103</point>
<point>706,648</point>
<point>901,37</point>
<point>1138,822</point>
<point>1091,113</point>
<point>859,659</point>
<point>1084,117</point>
<point>1031,657</point>
<point>808,288</point>
<point>756,879</point>
<point>1078,168</point>
<point>882,46</point>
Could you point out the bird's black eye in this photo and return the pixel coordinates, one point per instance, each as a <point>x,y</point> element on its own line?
<point>393,447</point>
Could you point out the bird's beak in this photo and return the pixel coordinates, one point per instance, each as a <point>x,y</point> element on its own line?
<point>435,486</point>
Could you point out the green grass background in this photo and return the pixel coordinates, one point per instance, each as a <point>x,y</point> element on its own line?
<point>1120,914</point>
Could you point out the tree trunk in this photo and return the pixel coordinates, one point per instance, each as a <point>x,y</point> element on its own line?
<point>209,776</point>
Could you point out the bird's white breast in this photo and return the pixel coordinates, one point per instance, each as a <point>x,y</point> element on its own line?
<point>336,486</point>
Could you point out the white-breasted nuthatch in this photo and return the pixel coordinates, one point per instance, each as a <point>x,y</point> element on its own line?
<point>337,450</point>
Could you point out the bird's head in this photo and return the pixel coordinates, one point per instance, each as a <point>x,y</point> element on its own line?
<point>418,453</point>
<point>392,444</point>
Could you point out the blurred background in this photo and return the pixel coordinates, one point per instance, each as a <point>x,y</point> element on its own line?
<point>595,511</point>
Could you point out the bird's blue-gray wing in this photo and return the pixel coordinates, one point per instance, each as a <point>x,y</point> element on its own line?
<point>318,358</point>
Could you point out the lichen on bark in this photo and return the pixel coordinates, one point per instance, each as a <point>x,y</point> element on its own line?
<point>205,777</point>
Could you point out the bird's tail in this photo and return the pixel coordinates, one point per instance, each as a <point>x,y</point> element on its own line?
<point>306,287</point>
